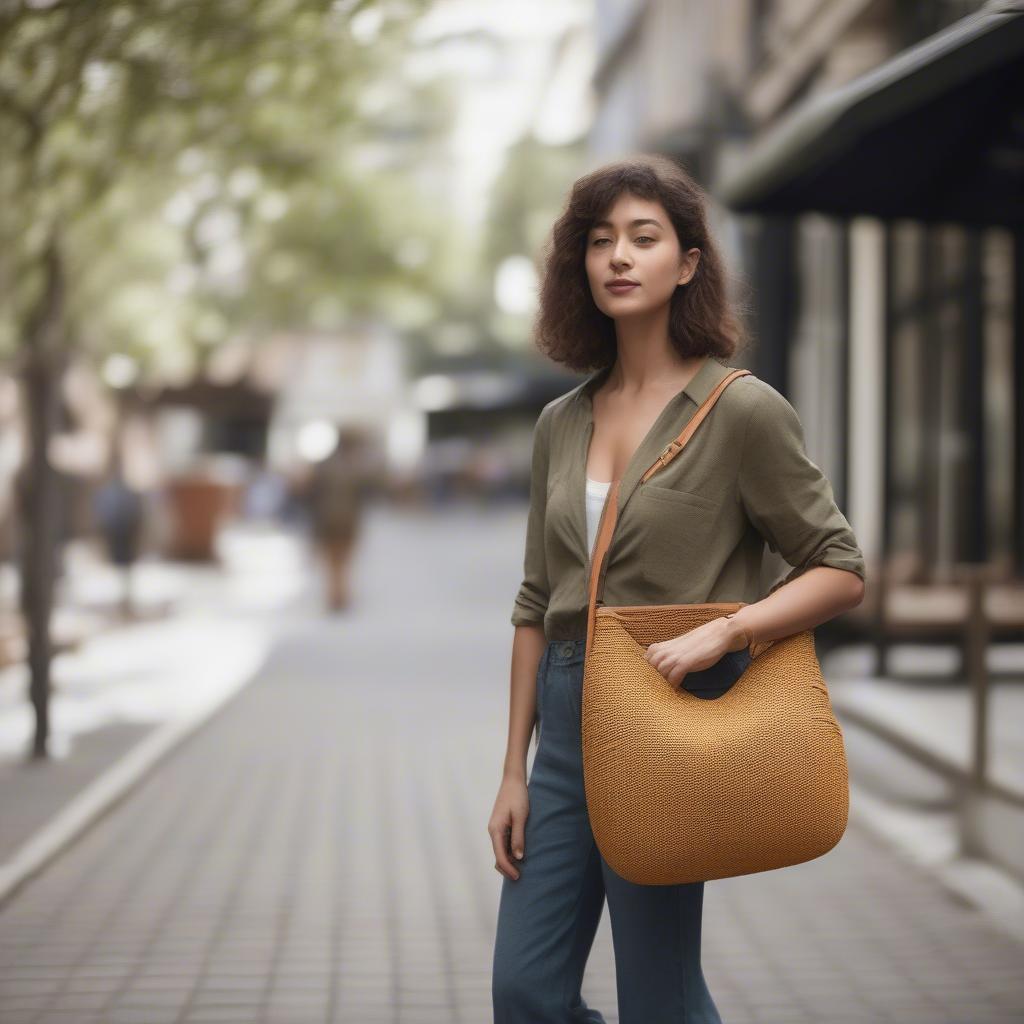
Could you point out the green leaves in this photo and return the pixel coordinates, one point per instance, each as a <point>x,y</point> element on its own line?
<point>200,164</point>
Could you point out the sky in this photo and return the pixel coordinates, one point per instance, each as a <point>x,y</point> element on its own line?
<point>523,67</point>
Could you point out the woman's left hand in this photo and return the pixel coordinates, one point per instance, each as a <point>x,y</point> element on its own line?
<point>694,650</point>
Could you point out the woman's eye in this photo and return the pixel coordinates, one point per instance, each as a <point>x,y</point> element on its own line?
<point>642,238</point>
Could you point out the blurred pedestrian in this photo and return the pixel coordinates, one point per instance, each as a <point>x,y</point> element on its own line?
<point>336,495</point>
<point>119,511</point>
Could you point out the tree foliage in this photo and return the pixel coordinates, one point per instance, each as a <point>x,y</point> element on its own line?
<point>202,166</point>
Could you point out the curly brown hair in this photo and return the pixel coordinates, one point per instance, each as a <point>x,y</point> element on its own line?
<point>569,327</point>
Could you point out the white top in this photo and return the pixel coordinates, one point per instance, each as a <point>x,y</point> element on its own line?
<point>597,491</point>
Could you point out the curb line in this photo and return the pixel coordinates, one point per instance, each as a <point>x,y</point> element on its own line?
<point>982,884</point>
<point>104,792</point>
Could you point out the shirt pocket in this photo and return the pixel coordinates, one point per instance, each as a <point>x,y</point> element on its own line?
<point>682,498</point>
<point>676,529</point>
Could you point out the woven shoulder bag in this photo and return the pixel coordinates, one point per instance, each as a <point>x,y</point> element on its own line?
<point>684,788</point>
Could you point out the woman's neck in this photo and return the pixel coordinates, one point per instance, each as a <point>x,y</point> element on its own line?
<point>651,368</point>
<point>646,358</point>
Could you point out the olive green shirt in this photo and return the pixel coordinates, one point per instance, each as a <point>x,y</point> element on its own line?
<point>695,531</point>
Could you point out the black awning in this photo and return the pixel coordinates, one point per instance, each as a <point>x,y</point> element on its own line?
<point>935,134</point>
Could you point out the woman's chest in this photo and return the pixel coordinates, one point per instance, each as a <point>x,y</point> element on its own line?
<point>617,431</point>
<point>684,512</point>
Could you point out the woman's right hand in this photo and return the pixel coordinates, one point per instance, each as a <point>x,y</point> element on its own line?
<point>507,826</point>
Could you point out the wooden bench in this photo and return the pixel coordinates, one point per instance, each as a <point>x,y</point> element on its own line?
<point>971,606</point>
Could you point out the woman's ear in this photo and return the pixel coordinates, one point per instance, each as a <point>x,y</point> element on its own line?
<point>689,266</point>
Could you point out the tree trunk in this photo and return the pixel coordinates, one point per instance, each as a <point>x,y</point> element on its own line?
<point>44,358</point>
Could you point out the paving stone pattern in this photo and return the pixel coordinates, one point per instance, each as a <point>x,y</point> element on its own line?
<point>318,851</point>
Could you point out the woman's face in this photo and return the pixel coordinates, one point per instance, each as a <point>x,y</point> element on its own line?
<point>636,241</point>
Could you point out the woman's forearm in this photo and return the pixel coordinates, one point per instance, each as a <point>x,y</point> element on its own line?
<point>810,599</point>
<point>527,649</point>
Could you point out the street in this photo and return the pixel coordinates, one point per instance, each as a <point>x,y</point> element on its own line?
<point>317,851</point>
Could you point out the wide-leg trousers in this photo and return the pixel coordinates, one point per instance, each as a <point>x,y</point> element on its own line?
<point>548,917</point>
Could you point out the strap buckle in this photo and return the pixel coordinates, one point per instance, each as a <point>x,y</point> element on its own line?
<point>669,451</point>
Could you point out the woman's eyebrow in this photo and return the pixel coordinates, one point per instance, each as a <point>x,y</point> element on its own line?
<point>632,223</point>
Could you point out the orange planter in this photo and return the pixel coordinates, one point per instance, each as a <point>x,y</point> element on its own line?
<point>198,505</point>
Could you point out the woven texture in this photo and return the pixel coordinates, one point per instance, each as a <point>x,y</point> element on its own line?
<point>683,789</point>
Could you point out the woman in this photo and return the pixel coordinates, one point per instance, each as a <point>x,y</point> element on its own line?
<point>634,286</point>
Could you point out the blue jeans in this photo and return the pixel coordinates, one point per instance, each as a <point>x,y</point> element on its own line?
<point>548,917</point>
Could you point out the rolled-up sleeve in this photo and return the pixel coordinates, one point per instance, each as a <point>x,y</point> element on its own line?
<point>532,599</point>
<point>786,496</point>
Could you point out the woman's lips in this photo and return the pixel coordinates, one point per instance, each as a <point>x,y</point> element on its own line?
<point>621,289</point>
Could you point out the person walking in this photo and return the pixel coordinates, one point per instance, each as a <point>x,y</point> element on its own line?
<point>119,510</point>
<point>337,493</point>
<point>634,291</point>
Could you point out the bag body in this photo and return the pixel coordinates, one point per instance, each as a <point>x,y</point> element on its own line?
<point>682,788</point>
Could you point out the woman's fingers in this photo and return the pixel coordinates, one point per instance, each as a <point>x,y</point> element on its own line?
<point>508,825</point>
<point>518,844</point>
<point>499,840</point>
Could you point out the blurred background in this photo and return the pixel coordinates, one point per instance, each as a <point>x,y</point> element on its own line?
<point>267,391</point>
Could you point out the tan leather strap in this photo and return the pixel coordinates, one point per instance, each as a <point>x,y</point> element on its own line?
<point>610,510</point>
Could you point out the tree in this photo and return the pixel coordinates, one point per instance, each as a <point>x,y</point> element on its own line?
<point>243,114</point>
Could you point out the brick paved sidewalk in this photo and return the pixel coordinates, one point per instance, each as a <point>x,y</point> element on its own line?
<point>318,852</point>
<point>128,690</point>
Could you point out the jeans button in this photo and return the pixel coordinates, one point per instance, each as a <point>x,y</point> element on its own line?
<point>567,650</point>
